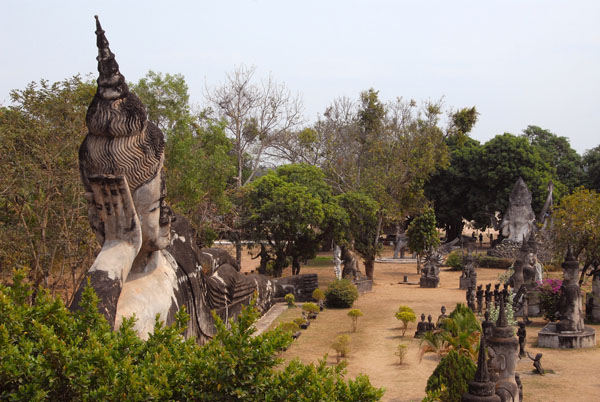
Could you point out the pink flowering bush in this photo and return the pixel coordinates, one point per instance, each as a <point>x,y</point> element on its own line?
<point>550,297</point>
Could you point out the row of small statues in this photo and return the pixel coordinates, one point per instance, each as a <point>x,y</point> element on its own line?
<point>476,298</point>
<point>427,326</point>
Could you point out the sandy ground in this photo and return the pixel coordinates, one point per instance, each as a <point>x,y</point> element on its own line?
<point>374,343</point>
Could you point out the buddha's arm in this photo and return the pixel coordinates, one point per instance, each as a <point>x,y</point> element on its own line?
<point>121,230</point>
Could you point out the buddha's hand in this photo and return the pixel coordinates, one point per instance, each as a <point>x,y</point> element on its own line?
<point>115,211</point>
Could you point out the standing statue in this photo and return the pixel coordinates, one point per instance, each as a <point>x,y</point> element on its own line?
<point>522,335</point>
<point>149,263</point>
<point>503,349</point>
<point>519,219</point>
<point>337,262</point>
<point>471,299</point>
<point>434,258</point>
<point>468,277</point>
<point>479,297</point>
<point>350,270</point>
<point>570,307</point>
<point>488,296</point>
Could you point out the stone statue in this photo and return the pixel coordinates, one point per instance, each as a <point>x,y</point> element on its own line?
<point>337,261</point>
<point>471,298</point>
<point>481,389</point>
<point>496,294</point>
<point>430,324</point>
<point>149,263</point>
<point>350,270</point>
<point>441,317</point>
<point>421,327</point>
<point>502,350</point>
<point>479,297</point>
<point>468,277</point>
<point>487,326</point>
<point>434,258</point>
<point>518,221</point>
<point>522,335</point>
<point>537,363</point>
<point>570,307</point>
<point>488,296</point>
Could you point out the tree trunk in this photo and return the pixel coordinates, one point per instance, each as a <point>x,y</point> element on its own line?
<point>379,222</point>
<point>369,267</point>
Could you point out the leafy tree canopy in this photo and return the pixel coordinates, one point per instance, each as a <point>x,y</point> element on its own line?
<point>591,163</point>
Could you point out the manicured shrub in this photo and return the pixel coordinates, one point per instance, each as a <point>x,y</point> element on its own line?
<point>49,353</point>
<point>487,261</point>
<point>289,326</point>
<point>452,376</point>
<point>318,295</point>
<point>341,345</point>
<point>299,321</point>
<point>406,315</point>
<point>455,261</point>
<point>290,299</point>
<point>310,308</point>
<point>401,352</point>
<point>354,314</point>
<point>341,293</point>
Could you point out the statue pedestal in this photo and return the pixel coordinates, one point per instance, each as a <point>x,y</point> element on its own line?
<point>533,304</point>
<point>465,283</point>
<point>429,282</point>
<point>549,337</point>
<point>363,285</point>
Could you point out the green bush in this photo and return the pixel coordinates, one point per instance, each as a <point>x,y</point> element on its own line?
<point>341,294</point>
<point>310,307</point>
<point>341,345</point>
<point>406,315</point>
<point>455,261</point>
<point>49,353</point>
<point>289,326</point>
<point>290,300</point>
<point>354,314</point>
<point>452,376</point>
<point>299,321</point>
<point>486,261</point>
<point>318,295</point>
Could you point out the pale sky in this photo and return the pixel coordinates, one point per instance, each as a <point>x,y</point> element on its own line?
<point>519,62</point>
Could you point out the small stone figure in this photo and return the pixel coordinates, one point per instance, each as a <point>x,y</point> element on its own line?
<point>525,307</point>
<point>505,291</point>
<point>421,327</point>
<point>471,298</point>
<point>522,334</point>
<point>479,297</point>
<point>487,326</point>
<point>468,276</point>
<point>430,324</point>
<point>441,317</point>
<point>488,296</point>
<point>537,363</point>
<point>496,294</point>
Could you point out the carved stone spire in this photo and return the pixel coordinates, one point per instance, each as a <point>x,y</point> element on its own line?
<point>481,389</point>
<point>111,83</point>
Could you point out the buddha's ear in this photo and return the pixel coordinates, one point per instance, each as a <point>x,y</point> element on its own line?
<point>502,362</point>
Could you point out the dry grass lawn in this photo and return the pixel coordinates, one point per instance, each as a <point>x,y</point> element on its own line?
<point>378,335</point>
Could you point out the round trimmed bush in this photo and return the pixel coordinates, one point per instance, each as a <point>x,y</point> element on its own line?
<point>341,294</point>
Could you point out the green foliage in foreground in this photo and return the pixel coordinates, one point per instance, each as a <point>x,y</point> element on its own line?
<point>451,377</point>
<point>49,353</point>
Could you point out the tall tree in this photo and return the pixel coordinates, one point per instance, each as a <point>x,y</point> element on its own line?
<point>43,213</point>
<point>256,116</point>
<point>591,166</point>
<point>558,153</point>
<point>198,164</point>
<point>422,234</point>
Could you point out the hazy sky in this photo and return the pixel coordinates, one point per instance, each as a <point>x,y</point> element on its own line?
<point>519,62</point>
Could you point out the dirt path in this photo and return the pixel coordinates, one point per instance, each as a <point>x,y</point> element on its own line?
<point>374,343</point>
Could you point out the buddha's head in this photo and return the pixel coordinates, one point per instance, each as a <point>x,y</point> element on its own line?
<point>122,142</point>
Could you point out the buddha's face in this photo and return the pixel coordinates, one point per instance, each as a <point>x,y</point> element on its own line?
<point>154,215</point>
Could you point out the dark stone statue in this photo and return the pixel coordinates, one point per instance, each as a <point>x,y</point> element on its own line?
<point>430,324</point>
<point>570,306</point>
<point>487,326</point>
<point>488,296</point>
<point>471,298</point>
<point>479,297</point>
<point>149,263</point>
<point>537,363</point>
<point>350,270</point>
<point>522,335</point>
<point>422,327</point>
<point>441,317</point>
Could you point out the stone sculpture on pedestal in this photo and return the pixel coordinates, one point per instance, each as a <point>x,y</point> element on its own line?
<point>503,349</point>
<point>149,263</point>
<point>468,277</point>
<point>479,297</point>
<point>433,261</point>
